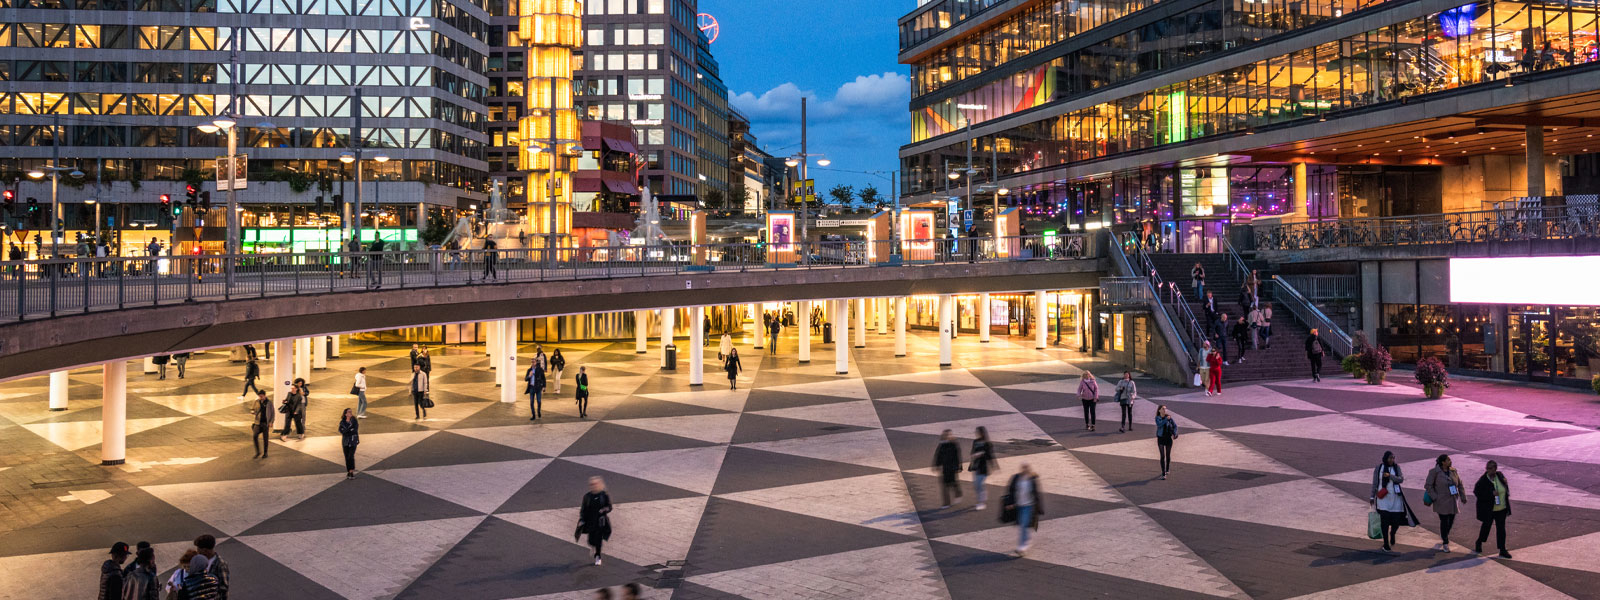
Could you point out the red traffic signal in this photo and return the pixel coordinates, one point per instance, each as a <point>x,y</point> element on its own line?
<point>166,199</point>
<point>11,196</point>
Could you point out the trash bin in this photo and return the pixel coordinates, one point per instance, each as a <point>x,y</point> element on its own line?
<point>827,333</point>
<point>672,358</point>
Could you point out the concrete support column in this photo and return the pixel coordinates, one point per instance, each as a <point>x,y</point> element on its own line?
<point>983,318</point>
<point>1300,195</point>
<point>507,357</point>
<point>757,326</point>
<point>947,305</point>
<point>841,337</point>
<point>667,325</point>
<point>149,365</point>
<point>336,341</point>
<point>59,382</point>
<point>900,326</point>
<point>491,341</point>
<point>302,358</point>
<point>883,316</point>
<point>282,369</point>
<point>1535,160</point>
<point>641,331</point>
<point>1040,332</point>
<point>114,413</point>
<point>697,345</point>
<point>861,323</point>
<point>319,352</point>
<point>802,310</point>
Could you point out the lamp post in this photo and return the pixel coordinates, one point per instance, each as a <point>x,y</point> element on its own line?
<point>227,122</point>
<point>969,171</point>
<point>55,183</point>
<point>355,157</point>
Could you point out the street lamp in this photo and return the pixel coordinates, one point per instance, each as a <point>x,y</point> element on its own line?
<point>227,122</point>
<point>54,171</point>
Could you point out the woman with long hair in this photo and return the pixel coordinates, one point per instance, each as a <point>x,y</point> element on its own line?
<point>1166,431</point>
<point>1089,394</point>
<point>983,462</point>
<point>350,437</point>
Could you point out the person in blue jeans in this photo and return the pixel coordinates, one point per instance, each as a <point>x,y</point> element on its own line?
<point>1023,495</point>
<point>983,462</point>
<point>1166,431</point>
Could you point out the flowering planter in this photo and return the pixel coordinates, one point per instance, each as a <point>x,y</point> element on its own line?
<point>1375,378</point>
<point>1434,392</point>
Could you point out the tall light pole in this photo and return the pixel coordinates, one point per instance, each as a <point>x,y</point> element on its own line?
<point>970,170</point>
<point>355,157</point>
<point>54,170</point>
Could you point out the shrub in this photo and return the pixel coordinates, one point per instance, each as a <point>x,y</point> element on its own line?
<point>1351,364</point>
<point>1595,383</point>
<point>1375,359</point>
<point>1431,372</point>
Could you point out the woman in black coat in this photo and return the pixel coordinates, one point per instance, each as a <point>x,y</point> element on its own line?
<point>1494,505</point>
<point>593,516</point>
<point>983,462</point>
<point>350,437</point>
<point>582,381</point>
<point>1023,504</point>
<point>731,364</point>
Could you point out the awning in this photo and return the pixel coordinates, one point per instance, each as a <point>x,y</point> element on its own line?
<point>621,186</point>
<point>621,145</point>
<point>585,184</point>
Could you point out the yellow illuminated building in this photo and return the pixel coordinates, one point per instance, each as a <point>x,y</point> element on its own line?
<point>548,136</point>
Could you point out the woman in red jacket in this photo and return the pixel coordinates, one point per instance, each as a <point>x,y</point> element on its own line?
<point>1214,362</point>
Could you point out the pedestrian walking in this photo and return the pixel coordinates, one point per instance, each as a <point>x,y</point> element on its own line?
<point>419,392</point>
<point>1315,349</point>
<point>1197,280</point>
<point>631,591</point>
<point>1266,326</point>
<point>539,358</point>
<point>182,360</point>
<point>1241,337</point>
<point>947,460</point>
<point>359,390</point>
<point>1127,390</point>
<point>491,259</point>
<point>250,351</point>
<point>1214,364</point>
<point>1254,319</point>
<point>1389,500</point>
<point>141,580</point>
<point>1166,432</point>
<point>111,573</point>
<point>1089,395</point>
<point>582,381</point>
<point>724,347</point>
<point>1023,505</point>
<point>416,354</point>
<point>1202,366</point>
<point>215,567</point>
<point>983,462</point>
<point>1442,490</point>
<point>349,438</point>
<point>558,363</point>
<point>160,361</point>
<point>732,366</point>
<point>594,516</point>
<point>773,329</point>
<point>425,360</point>
<point>535,389</point>
<point>294,412</point>
<point>261,426</point>
<point>252,372</point>
<point>1219,340</point>
<point>1493,494</point>
<point>1209,306</point>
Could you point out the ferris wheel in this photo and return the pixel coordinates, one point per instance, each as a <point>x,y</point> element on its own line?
<point>708,24</point>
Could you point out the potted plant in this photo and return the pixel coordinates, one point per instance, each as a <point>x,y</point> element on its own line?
<point>1433,377</point>
<point>1375,360</point>
<point>1351,364</point>
<point>1595,383</point>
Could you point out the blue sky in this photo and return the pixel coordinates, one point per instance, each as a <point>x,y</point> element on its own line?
<point>838,53</point>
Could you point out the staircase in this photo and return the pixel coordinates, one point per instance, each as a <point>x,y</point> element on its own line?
<point>1286,359</point>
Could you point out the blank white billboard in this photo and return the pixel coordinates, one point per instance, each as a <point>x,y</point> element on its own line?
<point>1556,280</point>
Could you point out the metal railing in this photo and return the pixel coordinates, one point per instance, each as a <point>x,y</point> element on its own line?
<point>1578,218</point>
<point>1126,292</point>
<point>1168,296</point>
<point>1319,288</point>
<point>39,289</point>
<point>1308,313</point>
<point>1235,262</point>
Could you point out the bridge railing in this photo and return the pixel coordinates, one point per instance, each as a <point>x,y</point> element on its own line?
<point>1579,217</point>
<point>38,289</point>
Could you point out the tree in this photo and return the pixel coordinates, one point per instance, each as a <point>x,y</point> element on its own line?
<point>842,195</point>
<point>713,199</point>
<point>870,196</point>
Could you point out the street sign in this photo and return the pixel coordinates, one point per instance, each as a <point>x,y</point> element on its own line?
<point>805,190</point>
<point>966,217</point>
<point>238,181</point>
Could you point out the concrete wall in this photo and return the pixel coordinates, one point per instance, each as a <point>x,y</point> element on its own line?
<point>1492,178</point>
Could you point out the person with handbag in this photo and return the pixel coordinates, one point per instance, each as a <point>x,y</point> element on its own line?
<point>1089,394</point>
<point>1166,432</point>
<point>1202,371</point>
<point>1127,390</point>
<point>261,427</point>
<point>1389,500</point>
<point>160,361</point>
<point>294,412</point>
<point>359,390</point>
<point>593,516</point>
<point>1023,505</point>
<point>947,460</point>
<point>535,389</point>
<point>1441,491</point>
<point>1494,505</point>
<point>557,364</point>
<point>582,381</point>
<point>983,462</point>
<point>349,438</point>
<point>732,365</point>
<point>419,392</point>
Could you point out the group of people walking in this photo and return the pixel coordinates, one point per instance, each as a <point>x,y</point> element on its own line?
<point>1444,491</point>
<point>544,373</point>
<point>201,574</point>
<point>1023,502</point>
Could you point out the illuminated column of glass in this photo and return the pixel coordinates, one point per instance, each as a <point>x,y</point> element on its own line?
<point>552,30</point>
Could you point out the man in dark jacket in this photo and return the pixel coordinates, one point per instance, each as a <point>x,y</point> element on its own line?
<point>1315,348</point>
<point>206,545</point>
<point>262,427</point>
<point>111,573</point>
<point>491,258</point>
<point>947,459</point>
<point>1241,336</point>
<point>1494,505</point>
<point>252,371</point>
<point>1209,305</point>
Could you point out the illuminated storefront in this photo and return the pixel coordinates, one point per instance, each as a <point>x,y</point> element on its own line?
<point>549,136</point>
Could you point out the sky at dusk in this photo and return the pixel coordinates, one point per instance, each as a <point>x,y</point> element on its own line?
<point>838,53</point>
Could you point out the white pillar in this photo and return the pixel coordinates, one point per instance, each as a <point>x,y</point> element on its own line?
<point>946,315</point>
<point>883,315</point>
<point>494,346</point>
<point>641,331</point>
<point>319,352</point>
<point>757,326</point>
<point>861,322</point>
<point>507,357</point>
<point>58,390</point>
<point>983,318</point>
<point>900,326</point>
<point>1039,331</point>
<point>841,337</point>
<point>802,311</point>
<point>282,369</point>
<point>667,325</point>
<point>302,358</point>
<point>114,413</point>
<point>491,341</point>
<point>336,340</point>
<point>697,345</point>
<point>149,364</point>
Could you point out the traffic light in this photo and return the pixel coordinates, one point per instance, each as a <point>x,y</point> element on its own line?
<point>11,197</point>
<point>33,204</point>
<point>320,204</point>
<point>205,200</point>
<point>166,200</point>
<point>338,202</point>
<point>191,194</point>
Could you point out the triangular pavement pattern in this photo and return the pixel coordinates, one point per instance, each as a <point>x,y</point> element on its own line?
<point>1002,428</point>
<point>949,377</point>
<point>199,404</point>
<point>548,439</point>
<point>1100,542</point>
<point>1338,428</point>
<point>727,400</point>
<point>645,533</point>
<point>1197,448</point>
<point>975,398</point>
<point>866,448</point>
<point>77,435</point>
<point>715,428</point>
<point>1252,396</point>
<point>482,487</point>
<point>1459,579</point>
<point>839,388</point>
<point>1467,411</point>
<point>235,506</point>
<point>372,449</point>
<point>693,469</point>
<point>737,535</point>
<point>1530,487</point>
<point>878,501</point>
<point>905,571</point>
<point>859,413</point>
<point>441,416</point>
<point>1305,504</point>
<point>396,553</point>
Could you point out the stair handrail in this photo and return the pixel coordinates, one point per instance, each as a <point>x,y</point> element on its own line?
<point>1164,322</point>
<point>1312,316</point>
<point>1195,333</point>
<point>1235,262</point>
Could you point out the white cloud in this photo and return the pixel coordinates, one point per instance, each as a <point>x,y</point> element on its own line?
<point>867,97</point>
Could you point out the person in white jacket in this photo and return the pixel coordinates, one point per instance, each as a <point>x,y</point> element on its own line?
<point>360,388</point>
